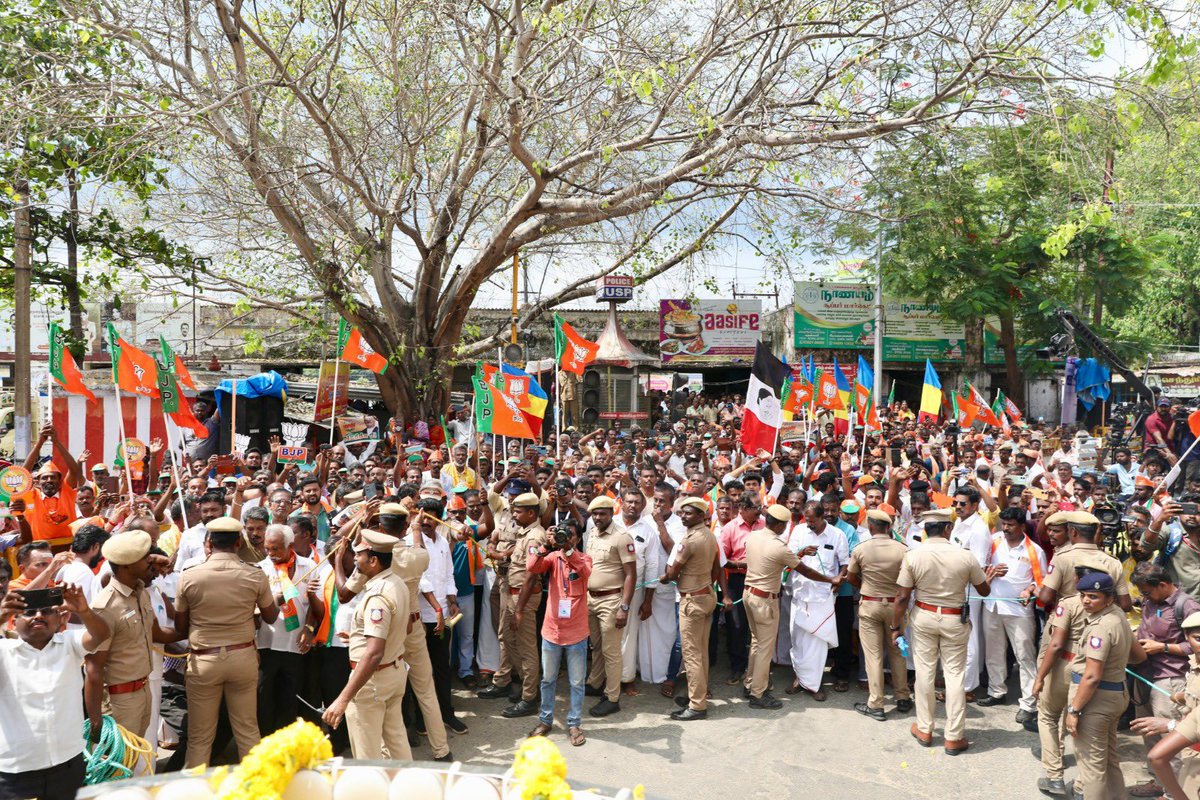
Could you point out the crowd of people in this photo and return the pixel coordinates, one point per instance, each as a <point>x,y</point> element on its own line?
<point>214,606</point>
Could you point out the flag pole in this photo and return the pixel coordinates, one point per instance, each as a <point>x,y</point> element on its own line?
<point>48,415</point>
<point>337,369</point>
<point>175,465</point>
<point>557,421</point>
<point>121,447</point>
<point>503,439</point>
<point>233,418</point>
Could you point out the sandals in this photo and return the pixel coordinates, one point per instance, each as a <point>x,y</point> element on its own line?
<point>576,737</point>
<point>841,685</point>
<point>795,688</point>
<point>541,730</point>
<point>667,689</point>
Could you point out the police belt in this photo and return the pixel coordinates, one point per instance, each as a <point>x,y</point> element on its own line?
<point>208,651</point>
<point>128,686</point>
<point>760,593</point>
<point>604,592</point>
<point>1112,686</point>
<point>381,667</point>
<point>870,599</point>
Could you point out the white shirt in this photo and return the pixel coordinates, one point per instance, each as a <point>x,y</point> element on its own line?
<point>191,544</point>
<point>78,573</point>
<point>644,533</point>
<point>1018,578</point>
<point>41,713</point>
<point>833,553</point>
<point>276,636</point>
<point>972,534</point>
<point>438,577</point>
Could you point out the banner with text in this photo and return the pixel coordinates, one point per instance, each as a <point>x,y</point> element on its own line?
<point>708,331</point>
<point>841,316</point>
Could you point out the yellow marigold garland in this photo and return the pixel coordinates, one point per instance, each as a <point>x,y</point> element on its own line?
<point>268,768</point>
<point>540,771</point>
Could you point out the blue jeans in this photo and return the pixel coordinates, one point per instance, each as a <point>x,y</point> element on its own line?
<point>576,673</point>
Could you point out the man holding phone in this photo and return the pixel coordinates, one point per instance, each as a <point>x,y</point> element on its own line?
<point>41,749</point>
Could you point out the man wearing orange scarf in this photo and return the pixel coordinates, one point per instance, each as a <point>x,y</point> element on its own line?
<point>282,644</point>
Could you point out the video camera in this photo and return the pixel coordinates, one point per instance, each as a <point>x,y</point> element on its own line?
<point>559,536</point>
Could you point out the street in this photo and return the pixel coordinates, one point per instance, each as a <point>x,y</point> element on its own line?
<point>826,749</point>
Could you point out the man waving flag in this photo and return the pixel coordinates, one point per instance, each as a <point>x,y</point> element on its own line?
<point>763,415</point>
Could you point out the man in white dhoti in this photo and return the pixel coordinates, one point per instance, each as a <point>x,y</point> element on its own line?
<point>783,641</point>
<point>824,548</point>
<point>644,533</point>
<point>657,633</point>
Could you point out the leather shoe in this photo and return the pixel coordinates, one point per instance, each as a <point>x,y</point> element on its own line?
<point>522,708</point>
<point>604,708</point>
<point>955,746</point>
<point>688,714</point>
<point>874,713</point>
<point>1147,789</point>
<point>766,701</point>
<point>1054,787</point>
<point>449,757</point>
<point>818,695</point>
<point>591,691</point>
<point>989,701</point>
<point>924,739</point>
<point>904,705</point>
<point>492,692</point>
<point>681,701</point>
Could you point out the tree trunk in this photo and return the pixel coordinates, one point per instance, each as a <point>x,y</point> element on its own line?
<point>973,355</point>
<point>71,283</point>
<point>1008,342</point>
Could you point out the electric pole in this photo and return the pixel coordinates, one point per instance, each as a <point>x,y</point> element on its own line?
<point>22,280</point>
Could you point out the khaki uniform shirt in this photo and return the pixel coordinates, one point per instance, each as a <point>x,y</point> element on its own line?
<point>1189,726</point>
<point>220,597</point>
<point>529,539</point>
<point>610,550</point>
<point>939,572</point>
<point>766,559</point>
<point>382,614</point>
<point>878,561</point>
<point>1069,615</point>
<point>698,553</point>
<point>1061,575</point>
<point>1106,637</point>
<point>130,619</point>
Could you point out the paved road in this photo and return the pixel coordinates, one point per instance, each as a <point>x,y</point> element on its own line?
<point>824,749</point>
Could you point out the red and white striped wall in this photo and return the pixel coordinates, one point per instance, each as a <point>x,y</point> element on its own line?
<point>96,427</point>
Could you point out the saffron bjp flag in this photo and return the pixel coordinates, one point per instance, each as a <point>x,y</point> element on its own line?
<point>1010,408</point>
<point>496,412</point>
<point>522,387</point>
<point>763,416</point>
<point>353,347</point>
<point>173,362</point>
<point>931,394</point>
<point>827,393</point>
<point>62,365</point>
<point>985,411</point>
<point>174,403</point>
<point>572,352</point>
<point>134,371</point>
<point>864,385</point>
<point>841,418</point>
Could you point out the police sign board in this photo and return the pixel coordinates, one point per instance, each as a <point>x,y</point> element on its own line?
<point>614,288</point>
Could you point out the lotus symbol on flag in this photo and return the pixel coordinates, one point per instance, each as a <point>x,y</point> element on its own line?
<point>240,442</point>
<point>828,390</point>
<point>578,353</point>
<point>139,371</point>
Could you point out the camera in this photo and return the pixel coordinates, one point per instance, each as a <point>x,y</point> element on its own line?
<point>1111,526</point>
<point>560,536</point>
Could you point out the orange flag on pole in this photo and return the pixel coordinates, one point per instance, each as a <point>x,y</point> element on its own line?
<point>134,371</point>
<point>62,365</point>
<point>827,393</point>
<point>354,348</point>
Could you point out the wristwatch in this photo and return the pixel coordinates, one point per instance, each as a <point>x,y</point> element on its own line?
<point>1077,712</point>
<point>625,606</point>
<point>1171,726</point>
<point>894,628</point>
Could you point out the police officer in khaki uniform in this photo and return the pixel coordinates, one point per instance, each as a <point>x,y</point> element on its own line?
<point>694,564</point>
<point>500,548</point>
<point>1098,696</point>
<point>372,699</point>
<point>408,564</point>
<point>874,567</point>
<point>215,610</point>
<point>1180,737</point>
<point>1065,626</point>
<point>610,591</point>
<point>938,573</point>
<point>523,593</point>
<point>122,663</point>
<point>766,559</point>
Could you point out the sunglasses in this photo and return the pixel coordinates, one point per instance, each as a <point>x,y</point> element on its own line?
<point>960,502</point>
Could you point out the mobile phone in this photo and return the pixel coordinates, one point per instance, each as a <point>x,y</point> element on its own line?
<point>1187,508</point>
<point>224,465</point>
<point>895,456</point>
<point>41,598</point>
<point>110,484</point>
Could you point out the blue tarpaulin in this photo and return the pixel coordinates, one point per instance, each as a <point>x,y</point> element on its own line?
<point>1092,382</point>
<point>264,384</point>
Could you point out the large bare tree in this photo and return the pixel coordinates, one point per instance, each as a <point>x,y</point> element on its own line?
<point>388,159</point>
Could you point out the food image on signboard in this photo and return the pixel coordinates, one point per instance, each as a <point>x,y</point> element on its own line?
<point>683,330</point>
